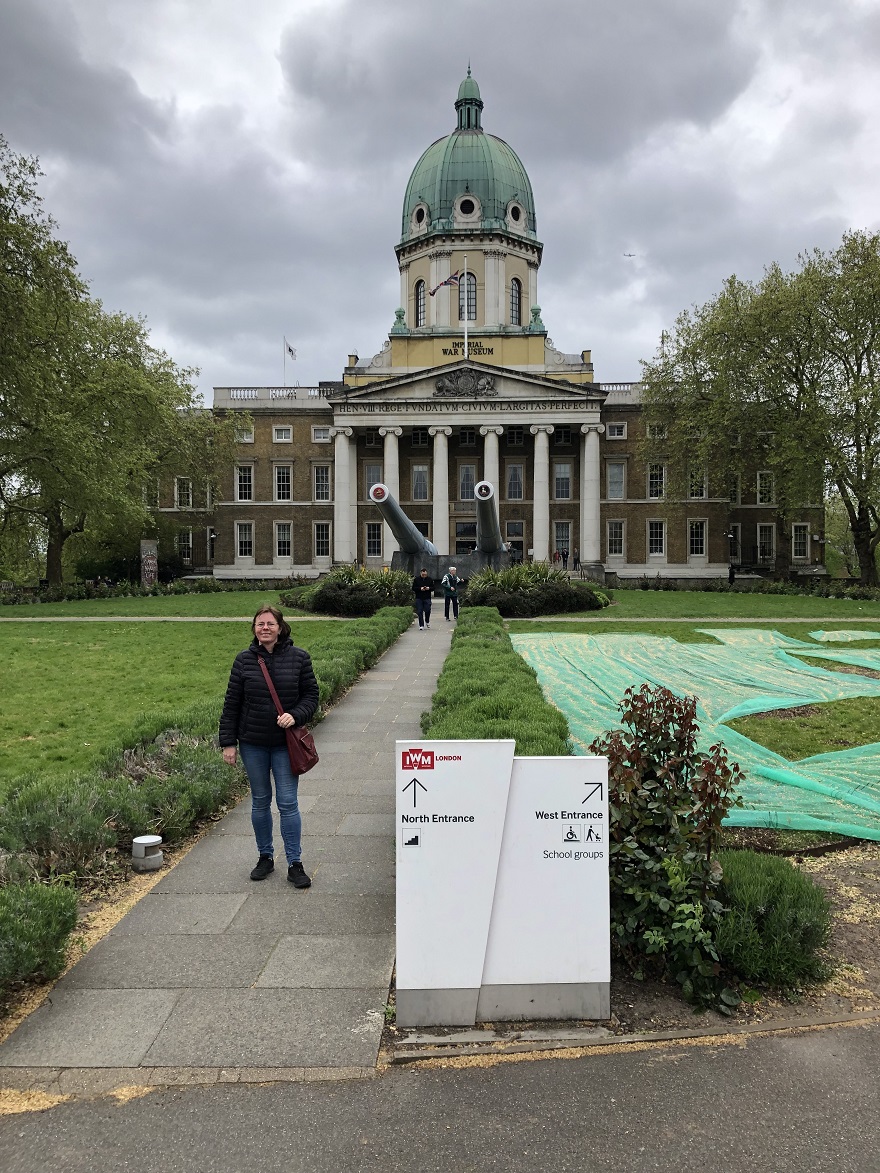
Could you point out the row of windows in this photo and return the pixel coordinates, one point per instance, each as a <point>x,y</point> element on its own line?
<point>283,434</point>
<point>698,490</point>
<point>283,538</point>
<point>763,553</point>
<point>467,300</point>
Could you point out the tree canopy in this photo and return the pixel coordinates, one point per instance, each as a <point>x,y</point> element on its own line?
<point>90,411</point>
<point>783,374</point>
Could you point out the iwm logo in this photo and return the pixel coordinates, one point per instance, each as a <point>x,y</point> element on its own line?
<point>418,759</point>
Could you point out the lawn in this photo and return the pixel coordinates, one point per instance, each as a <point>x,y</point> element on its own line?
<point>637,604</point>
<point>225,603</point>
<point>71,689</point>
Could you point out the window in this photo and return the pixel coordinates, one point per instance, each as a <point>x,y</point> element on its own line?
<point>516,437</point>
<point>372,476</point>
<point>420,437</point>
<point>515,529</point>
<point>696,538</point>
<point>656,431</point>
<point>244,435</point>
<point>419,305</point>
<point>212,542</point>
<point>420,482</point>
<point>800,537</point>
<point>766,488</point>
<point>283,482</point>
<point>615,471</point>
<point>245,539</point>
<point>244,482</point>
<point>615,539</point>
<point>766,544</point>
<point>467,295</point>
<point>734,490</point>
<point>656,538</point>
<point>320,435</point>
<point>467,437</point>
<point>656,480</point>
<point>183,492</point>
<point>697,485</point>
<point>372,439</point>
<point>424,528</point>
<point>516,302</point>
<point>322,482</point>
<point>209,495</point>
<point>562,435</point>
<point>562,535</point>
<point>374,539</point>
<point>514,482</point>
<point>282,435</point>
<point>185,546</point>
<point>615,432</point>
<point>282,539</point>
<point>562,482</point>
<point>467,475</point>
<point>322,539</point>
<point>735,542</point>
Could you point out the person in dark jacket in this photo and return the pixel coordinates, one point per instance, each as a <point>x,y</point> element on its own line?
<point>250,718</point>
<point>423,591</point>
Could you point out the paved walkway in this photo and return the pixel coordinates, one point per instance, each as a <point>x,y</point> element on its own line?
<point>212,977</point>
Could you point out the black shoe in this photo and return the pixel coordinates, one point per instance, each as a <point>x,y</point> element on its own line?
<point>296,874</point>
<point>265,864</point>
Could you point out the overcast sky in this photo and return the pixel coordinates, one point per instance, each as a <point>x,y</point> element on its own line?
<point>235,172</point>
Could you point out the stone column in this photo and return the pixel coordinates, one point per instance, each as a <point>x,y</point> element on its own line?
<point>490,457</point>
<point>440,488</point>
<point>342,484</point>
<point>591,519</point>
<point>391,477</point>
<point>541,493</point>
<point>404,292</point>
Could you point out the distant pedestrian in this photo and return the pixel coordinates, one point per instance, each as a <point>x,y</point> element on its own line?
<point>555,555</point>
<point>250,718</point>
<point>423,592</point>
<point>565,559</point>
<point>449,584</point>
<point>731,574</point>
<point>576,559</point>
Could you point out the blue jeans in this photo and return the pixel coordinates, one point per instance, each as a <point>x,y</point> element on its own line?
<point>423,610</point>
<point>258,761</point>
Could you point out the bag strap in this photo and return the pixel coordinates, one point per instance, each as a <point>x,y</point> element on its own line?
<point>265,672</point>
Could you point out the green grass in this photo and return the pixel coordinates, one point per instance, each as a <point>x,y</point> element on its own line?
<point>71,690</point>
<point>722,605</point>
<point>226,603</point>
<point>836,725</point>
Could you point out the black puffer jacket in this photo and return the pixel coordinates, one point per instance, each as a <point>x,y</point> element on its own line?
<point>249,713</point>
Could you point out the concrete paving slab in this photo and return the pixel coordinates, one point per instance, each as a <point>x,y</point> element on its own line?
<point>357,804</point>
<point>90,1028</point>
<point>169,912</point>
<point>367,825</point>
<point>151,962</point>
<point>316,912</point>
<point>271,1028</point>
<point>342,781</point>
<point>346,962</point>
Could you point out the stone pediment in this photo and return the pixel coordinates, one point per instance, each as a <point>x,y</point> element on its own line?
<point>459,383</point>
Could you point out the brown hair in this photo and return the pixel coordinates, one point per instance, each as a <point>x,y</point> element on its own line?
<point>284,633</point>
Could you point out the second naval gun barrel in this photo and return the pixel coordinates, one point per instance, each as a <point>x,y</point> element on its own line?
<point>410,540</point>
<point>488,526</point>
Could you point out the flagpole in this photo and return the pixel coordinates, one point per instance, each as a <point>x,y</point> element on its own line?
<point>284,348</point>
<point>466,353</point>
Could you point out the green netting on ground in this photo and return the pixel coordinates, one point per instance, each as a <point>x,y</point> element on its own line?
<point>748,671</point>
<point>843,637</point>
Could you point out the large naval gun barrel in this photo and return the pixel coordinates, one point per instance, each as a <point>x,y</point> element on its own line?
<point>408,537</point>
<point>488,526</point>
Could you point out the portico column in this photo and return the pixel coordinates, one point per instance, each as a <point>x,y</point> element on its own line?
<point>391,477</point>
<point>342,494</point>
<point>440,488</point>
<point>541,493</point>
<point>591,522</point>
<point>490,458</point>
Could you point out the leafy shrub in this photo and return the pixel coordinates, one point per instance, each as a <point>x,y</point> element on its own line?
<point>666,805</point>
<point>777,924</point>
<point>354,592</point>
<point>531,588</point>
<point>35,922</point>
<point>486,690</point>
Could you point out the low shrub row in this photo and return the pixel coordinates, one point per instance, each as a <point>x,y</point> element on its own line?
<point>820,588</point>
<point>167,779</point>
<point>530,589</point>
<point>72,592</point>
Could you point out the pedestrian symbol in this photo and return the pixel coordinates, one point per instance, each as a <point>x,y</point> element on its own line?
<point>593,834</point>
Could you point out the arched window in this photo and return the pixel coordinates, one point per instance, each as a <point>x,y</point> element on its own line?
<point>516,302</point>
<point>467,296</point>
<point>419,303</point>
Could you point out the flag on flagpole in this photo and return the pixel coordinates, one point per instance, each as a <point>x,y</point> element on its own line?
<point>289,349</point>
<point>452,279</point>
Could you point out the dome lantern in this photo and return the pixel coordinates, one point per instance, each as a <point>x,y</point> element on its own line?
<point>468,104</point>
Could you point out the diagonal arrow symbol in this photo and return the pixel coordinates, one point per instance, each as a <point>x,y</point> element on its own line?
<point>414,783</point>
<point>596,786</point>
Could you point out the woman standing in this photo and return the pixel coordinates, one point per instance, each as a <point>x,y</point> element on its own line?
<point>249,717</point>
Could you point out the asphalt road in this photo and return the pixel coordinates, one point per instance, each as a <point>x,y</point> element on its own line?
<point>780,1104</point>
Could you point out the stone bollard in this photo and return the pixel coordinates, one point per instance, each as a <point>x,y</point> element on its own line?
<point>146,853</point>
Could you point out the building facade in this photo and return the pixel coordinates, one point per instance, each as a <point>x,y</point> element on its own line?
<point>467,387</point>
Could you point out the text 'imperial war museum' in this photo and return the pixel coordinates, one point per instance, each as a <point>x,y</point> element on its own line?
<point>469,387</point>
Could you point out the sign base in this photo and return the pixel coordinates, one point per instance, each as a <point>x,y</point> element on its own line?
<point>576,1001</point>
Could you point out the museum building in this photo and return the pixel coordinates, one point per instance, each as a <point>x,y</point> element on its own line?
<point>467,387</point>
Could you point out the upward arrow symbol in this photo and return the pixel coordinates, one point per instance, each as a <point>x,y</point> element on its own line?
<point>415,784</point>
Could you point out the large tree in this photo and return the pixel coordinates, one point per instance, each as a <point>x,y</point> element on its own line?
<point>784,374</point>
<point>90,412</point>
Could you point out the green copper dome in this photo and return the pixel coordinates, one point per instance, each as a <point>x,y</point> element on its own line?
<point>468,163</point>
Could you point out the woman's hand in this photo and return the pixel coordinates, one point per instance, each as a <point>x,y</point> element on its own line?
<point>229,755</point>
<point>286,721</point>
